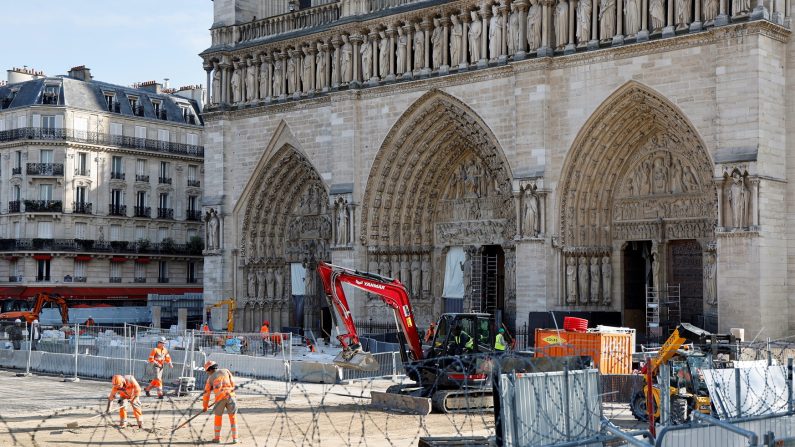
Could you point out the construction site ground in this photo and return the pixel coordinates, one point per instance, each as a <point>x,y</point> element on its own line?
<point>36,410</point>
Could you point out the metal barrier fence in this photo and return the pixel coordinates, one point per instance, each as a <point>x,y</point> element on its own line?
<point>389,365</point>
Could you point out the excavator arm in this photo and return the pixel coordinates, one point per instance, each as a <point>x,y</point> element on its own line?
<point>230,312</point>
<point>389,290</point>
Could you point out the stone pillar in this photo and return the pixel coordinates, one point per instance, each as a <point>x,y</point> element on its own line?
<point>696,25</point>
<point>521,51</point>
<point>593,44</point>
<point>373,37</point>
<point>208,67</point>
<point>445,67</point>
<point>464,62</point>
<point>356,80</point>
<point>506,33</point>
<point>546,28</point>
<point>408,72</point>
<point>327,72</point>
<point>643,34</point>
<point>754,193</point>
<point>335,74</point>
<point>224,66</point>
<point>390,32</point>
<point>156,312</point>
<point>723,18</point>
<point>283,88</point>
<point>760,12</point>
<point>266,64</point>
<point>570,47</point>
<point>669,29</point>
<point>485,15</point>
<point>182,318</point>
<point>427,26</point>
<point>618,39</point>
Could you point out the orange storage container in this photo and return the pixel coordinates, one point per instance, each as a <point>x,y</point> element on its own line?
<point>611,353</point>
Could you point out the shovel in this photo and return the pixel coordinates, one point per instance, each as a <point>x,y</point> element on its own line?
<point>76,424</point>
<point>192,418</point>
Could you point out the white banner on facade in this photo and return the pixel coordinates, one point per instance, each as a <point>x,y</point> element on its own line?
<point>453,275</point>
<point>297,276</point>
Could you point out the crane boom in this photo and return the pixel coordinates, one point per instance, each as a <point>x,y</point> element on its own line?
<point>230,312</point>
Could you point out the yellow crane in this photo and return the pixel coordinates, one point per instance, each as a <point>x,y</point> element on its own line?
<point>230,312</point>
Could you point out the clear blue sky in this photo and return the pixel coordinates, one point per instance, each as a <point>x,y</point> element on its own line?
<point>122,41</point>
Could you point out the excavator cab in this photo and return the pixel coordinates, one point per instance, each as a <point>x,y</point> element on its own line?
<point>476,327</point>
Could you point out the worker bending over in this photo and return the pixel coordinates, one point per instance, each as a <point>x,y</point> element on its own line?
<point>128,390</point>
<point>499,341</point>
<point>158,358</point>
<point>221,383</point>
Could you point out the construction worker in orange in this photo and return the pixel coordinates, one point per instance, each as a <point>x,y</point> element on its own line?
<point>265,333</point>
<point>157,359</point>
<point>128,390</point>
<point>220,383</point>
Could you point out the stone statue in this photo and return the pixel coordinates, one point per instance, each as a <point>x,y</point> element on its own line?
<point>367,60</point>
<point>291,76</point>
<point>346,60</point>
<point>534,25</point>
<point>583,280</point>
<point>710,11</point>
<point>571,280</point>
<point>342,230</point>
<point>426,275</point>
<point>236,84</point>
<point>271,283</point>
<point>278,275</point>
<point>320,68</point>
<point>216,83</point>
<point>740,7</point>
<point>657,14</point>
<point>659,176</point>
<point>419,47</point>
<point>416,272</point>
<point>456,31</point>
<point>306,70</point>
<point>309,281</point>
<point>607,280</point>
<point>475,31</point>
<point>513,32</point>
<point>251,81</point>
<point>405,271</point>
<point>212,230</point>
<point>530,214</point>
<point>263,79</point>
<point>607,19</point>
<point>683,13</point>
<point>467,270</point>
<point>252,283</point>
<point>561,24</point>
<point>677,174</point>
<point>596,279</point>
<point>437,40</point>
<point>689,179</point>
<point>373,264</point>
<point>737,200</point>
<point>632,17</point>
<point>495,33</point>
<point>383,54</point>
<point>655,267</point>
<point>261,283</point>
<point>583,21</point>
<point>510,274</point>
<point>402,47</point>
<point>334,65</point>
<point>710,285</point>
<point>278,79</point>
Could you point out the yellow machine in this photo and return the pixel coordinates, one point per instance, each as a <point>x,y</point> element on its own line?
<point>230,312</point>
<point>688,391</point>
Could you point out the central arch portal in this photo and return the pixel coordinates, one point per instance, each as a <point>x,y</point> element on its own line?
<point>638,210</point>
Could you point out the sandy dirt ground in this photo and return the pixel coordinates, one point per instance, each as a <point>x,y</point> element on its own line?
<point>35,411</point>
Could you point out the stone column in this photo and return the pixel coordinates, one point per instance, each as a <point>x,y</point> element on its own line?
<point>156,312</point>
<point>618,39</point>
<point>754,193</point>
<point>182,318</point>
<point>356,80</point>
<point>464,62</point>
<point>427,26</point>
<point>313,73</point>
<point>546,28</point>
<point>298,56</point>
<point>266,62</point>
<point>506,33</point>
<point>643,34</point>
<point>335,74</point>
<point>283,88</point>
<point>521,51</point>
<point>327,72</point>
<point>208,67</point>
<point>373,36</point>
<point>408,72</point>
<point>696,25</point>
<point>593,44</point>
<point>390,32</point>
<point>485,15</point>
<point>445,67</point>
<point>570,47</point>
<point>224,81</point>
<point>723,18</point>
<point>669,29</point>
<point>760,12</point>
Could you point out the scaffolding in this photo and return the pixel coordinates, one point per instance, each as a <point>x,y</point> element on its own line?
<point>663,312</point>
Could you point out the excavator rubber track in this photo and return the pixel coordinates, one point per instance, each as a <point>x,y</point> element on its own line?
<point>463,401</point>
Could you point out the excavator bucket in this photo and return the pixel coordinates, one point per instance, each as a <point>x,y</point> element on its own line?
<point>358,360</point>
<point>402,403</point>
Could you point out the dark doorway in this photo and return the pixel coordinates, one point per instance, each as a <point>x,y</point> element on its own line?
<point>488,287</point>
<point>685,269</point>
<point>637,275</point>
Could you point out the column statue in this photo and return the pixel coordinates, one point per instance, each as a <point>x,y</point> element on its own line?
<point>426,275</point>
<point>740,7</point>
<point>514,33</point>
<point>419,47</point>
<point>561,24</point>
<point>416,271</point>
<point>346,59</point>
<point>495,33</point>
<point>737,200</point>
<point>252,284</point>
<point>271,283</point>
<point>710,11</point>
<point>632,17</point>
<point>571,280</point>
<point>306,70</point>
<point>456,31</point>
<point>278,78</point>
<point>320,67</point>
<point>437,40</point>
<point>583,279</point>
<point>607,19</point>
<point>534,25</point>
<point>261,284</point>
<point>655,267</point>
<point>596,279</point>
<point>383,55</point>
<point>530,214</point>
<point>236,83</point>
<point>405,271</point>
<point>710,284</point>
<point>467,271</point>
<point>583,21</point>
<point>216,83</point>
<point>279,279</point>
<point>510,274</point>
<point>263,78</point>
<point>402,43</point>
<point>212,230</point>
<point>607,280</point>
<point>251,81</point>
<point>291,75</point>
<point>475,31</point>
<point>366,53</point>
<point>683,13</point>
<point>657,14</point>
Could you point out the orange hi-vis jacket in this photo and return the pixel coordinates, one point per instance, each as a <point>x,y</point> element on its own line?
<point>129,391</point>
<point>264,331</point>
<point>159,356</point>
<point>221,383</point>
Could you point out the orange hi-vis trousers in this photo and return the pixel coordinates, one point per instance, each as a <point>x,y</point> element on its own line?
<point>230,405</point>
<point>136,407</point>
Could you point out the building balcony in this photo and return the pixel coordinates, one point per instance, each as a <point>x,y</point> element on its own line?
<point>165,213</point>
<point>16,171</point>
<point>164,180</point>
<point>82,171</point>
<point>79,279</point>
<point>46,169</point>
<point>117,210</point>
<point>143,211</point>
<point>117,176</point>
<point>195,215</point>
<point>139,280</point>
<point>141,178</point>
<point>192,280</point>
<point>114,279</point>
<point>162,280</point>
<point>14,206</point>
<point>142,247</point>
<point>81,208</point>
<point>103,139</point>
<point>42,278</point>
<point>194,183</point>
<point>43,206</point>
<point>15,278</point>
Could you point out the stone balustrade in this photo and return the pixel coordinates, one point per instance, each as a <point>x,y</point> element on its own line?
<point>439,38</point>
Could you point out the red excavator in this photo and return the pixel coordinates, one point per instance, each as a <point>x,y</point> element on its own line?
<point>453,374</point>
<point>33,314</point>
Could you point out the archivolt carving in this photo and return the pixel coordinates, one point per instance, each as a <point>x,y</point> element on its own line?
<point>437,156</point>
<point>637,159</point>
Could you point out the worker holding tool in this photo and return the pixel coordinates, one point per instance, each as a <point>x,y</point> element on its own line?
<point>128,390</point>
<point>499,341</point>
<point>221,383</point>
<point>265,333</point>
<point>158,358</point>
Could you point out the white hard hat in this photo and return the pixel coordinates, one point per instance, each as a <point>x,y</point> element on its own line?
<point>36,321</point>
<point>161,340</point>
<point>17,321</point>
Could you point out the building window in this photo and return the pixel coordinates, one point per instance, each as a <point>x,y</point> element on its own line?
<point>191,272</point>
<point>110,101</point>
<point>45,192</point>
<point>193,176</point>
<point>162,233</point>
<point>163,200</point>
<point>117,133</point>
<point>14,271</point>
<point>80,271</point>
<point>141,173</point>
<point>115,272</point>
<point>48,125</point>
<point>115,232</point>
<point>43,270</point>
<point>50,95</point>
<point>80,205</point>
<point>140,272</point>
<point>18,162</point>
<point>46,156</point>
<point>163,138</point>
<point>162,272</point>
<point>117,168</point>
<point>80,230</point>
<point>165,172</point>
<point>117,207</point>
<point>80,194</point>
<point>136,108</point>
<point>44,229</point>
<point>82,164</point>
<point>141,210</point>
<point>140,136</point>
<point>16,230</point>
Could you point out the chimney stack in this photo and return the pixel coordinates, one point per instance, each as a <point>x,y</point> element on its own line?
<point>23,74</point>
<point>81,73</point>
<point>150,86</point>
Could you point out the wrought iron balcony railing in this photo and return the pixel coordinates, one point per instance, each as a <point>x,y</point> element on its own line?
<point>81,208</point>
<point>45,168</point>
<point>43,206</point>
<point>164,180</point>
<point>143,211</point>
<point>196,183</point>
<point>92,246</point>
<point>195,215</point>
<point>117,176</point>
<point>141,178</point>
<point>165,213</point>
<point>162,280</point>
<point>16,171</point>
<point>13,206</point>
<point>117,210</point>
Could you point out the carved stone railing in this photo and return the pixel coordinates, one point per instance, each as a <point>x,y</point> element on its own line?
<point>438,37</point>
